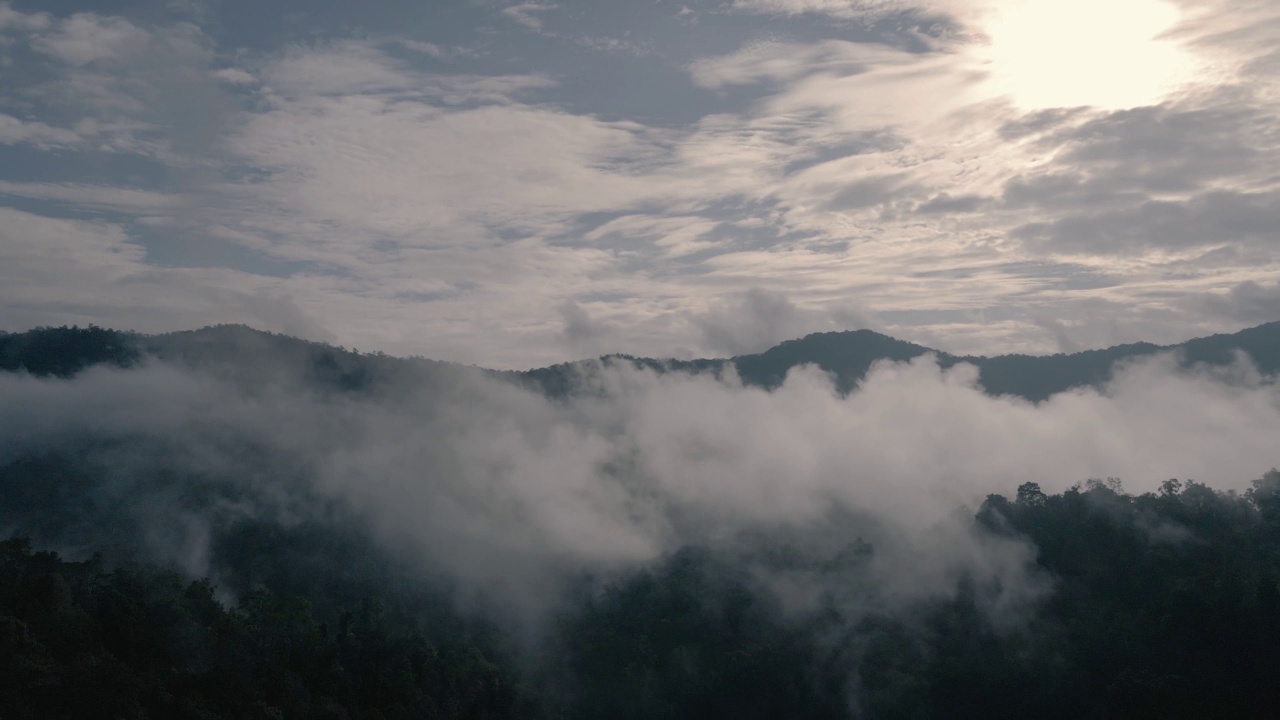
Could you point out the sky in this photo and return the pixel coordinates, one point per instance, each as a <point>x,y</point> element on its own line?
<point>513,184</point>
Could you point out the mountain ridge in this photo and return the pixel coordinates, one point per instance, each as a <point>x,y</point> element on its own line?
<point>846,355</point>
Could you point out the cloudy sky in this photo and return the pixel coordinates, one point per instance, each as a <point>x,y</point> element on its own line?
<point>518,183</point>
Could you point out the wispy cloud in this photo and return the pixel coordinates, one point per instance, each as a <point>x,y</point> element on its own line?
<point>14,131</point>
<point>527,14</point>
<point>469,192</point>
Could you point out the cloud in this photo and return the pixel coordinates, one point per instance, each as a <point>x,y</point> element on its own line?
<point>833,8</point>
<point>107,197</point>
<point>1159,185</point>
<point>127,87</point>
<point>11,19</point>
<point>279,313</point>
<point>1247,302</point>
<point>396,177</point>
<point>14,131</point>
<point>1212,219</point>
<point>339,69</point>
<point>758,319</point>
<point>438,173</point>
<point>525,13</point>
<point>673,236</point>
<point>1243,39</point>
<point>582,333</point>
<point>509,493</point>
<point>57,271</point>
<point>1171,150</point>
<point>778,62</point>
<point>235,76</point>
<point>945,203</point>
<point>86,38</point>
<point>1062,334</point>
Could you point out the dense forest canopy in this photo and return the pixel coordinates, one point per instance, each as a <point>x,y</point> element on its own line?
<point>232,524</point>
<point>1159,605</point>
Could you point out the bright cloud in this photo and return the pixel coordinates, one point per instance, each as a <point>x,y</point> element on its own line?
<point>448,184</point>
<point>1037,56</point>
<point>508,492</point>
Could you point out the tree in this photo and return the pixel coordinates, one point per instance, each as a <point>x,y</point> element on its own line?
<point>1030,495</point>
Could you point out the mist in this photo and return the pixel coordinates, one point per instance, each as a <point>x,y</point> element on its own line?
<point>509,495</point>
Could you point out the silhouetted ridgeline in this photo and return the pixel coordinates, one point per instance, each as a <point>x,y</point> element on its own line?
<point>847,356</point>
<point>230,351</point>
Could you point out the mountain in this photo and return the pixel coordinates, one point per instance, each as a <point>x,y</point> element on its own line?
<point>239,351</point>
<point>236,352</point>
<point>315,536</point>
<point>849,355</point>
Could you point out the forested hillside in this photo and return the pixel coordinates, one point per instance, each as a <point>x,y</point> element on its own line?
<point>230,524</point>
<point>846,355</point>
<point>1160,605</point>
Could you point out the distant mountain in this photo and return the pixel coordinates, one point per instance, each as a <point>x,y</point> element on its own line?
<point>254,356</point>
<point>849,355</point>
<point>232,351</point>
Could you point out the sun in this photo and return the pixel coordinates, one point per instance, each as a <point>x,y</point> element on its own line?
<point>1107,54</point>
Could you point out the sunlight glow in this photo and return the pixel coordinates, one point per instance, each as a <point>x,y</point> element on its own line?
<point>1103,53</point>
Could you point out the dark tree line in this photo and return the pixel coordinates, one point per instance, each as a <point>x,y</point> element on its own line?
<point>236,351</point>
<point>1162,605</point>
<point>1166,604</point>
<point>80,641</point>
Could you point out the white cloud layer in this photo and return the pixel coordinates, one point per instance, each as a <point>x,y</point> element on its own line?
<point>509,492</point>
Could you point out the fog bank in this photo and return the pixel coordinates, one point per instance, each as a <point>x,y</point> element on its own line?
<point>508,493</point>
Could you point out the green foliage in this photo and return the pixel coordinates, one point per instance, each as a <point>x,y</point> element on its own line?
<point>78,641</point>
<point>64,351</point>
<point>1166,604</point>
<point>692,639</point>
<point>1162,605</point>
